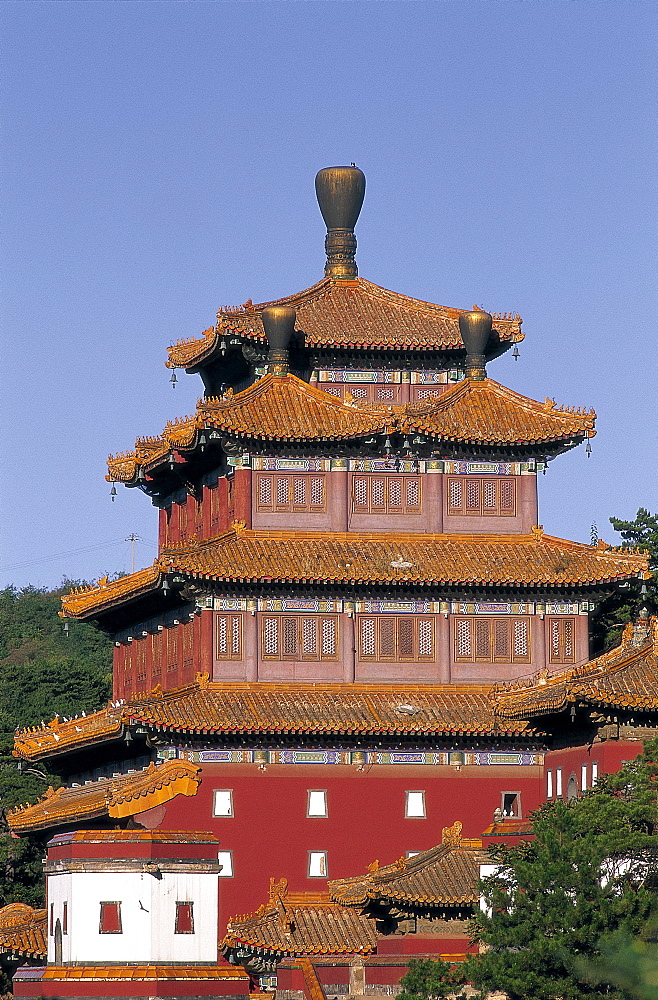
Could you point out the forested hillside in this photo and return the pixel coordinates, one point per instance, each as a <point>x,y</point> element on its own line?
<point>45,670</point>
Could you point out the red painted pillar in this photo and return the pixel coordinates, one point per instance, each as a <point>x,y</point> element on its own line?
<point>242,496</point>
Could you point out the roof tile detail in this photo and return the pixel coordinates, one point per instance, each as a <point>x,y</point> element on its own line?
<point>626,677</point>
<point>290,709</point>
<point>23,931</point>
<point>116,797</point>
<point>300,924</point>
<point>442,877</point>
<point>284,408</point>
<point>346,314</point>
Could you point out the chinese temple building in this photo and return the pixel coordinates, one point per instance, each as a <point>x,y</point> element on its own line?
<point>355,629</point>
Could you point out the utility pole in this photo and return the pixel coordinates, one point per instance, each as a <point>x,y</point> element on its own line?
<point>132,538</point>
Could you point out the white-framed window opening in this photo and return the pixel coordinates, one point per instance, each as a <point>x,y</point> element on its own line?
<point>549,784</point>
<point>412,854</point>
<point>558,781</point>
<point>583,777</point>
<point>222,802</point>
<point>511,804</point>
<point>317,864</point>
<point>415,805</point>
<point>225,859</point>
<point>595,772</point>
<point>317,802</point>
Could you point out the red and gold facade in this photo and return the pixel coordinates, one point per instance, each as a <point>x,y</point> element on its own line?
<point>350,579</point>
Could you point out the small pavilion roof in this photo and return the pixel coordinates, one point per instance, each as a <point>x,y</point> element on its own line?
<point>291,924</point>
<point>115,798</point>
<point>345,314</point>
<point>626,677</point>
<point>243,555</point>
<point>284,408</point>
<point>442,877</point>
<point>23,931</point>
<point>231,709</point>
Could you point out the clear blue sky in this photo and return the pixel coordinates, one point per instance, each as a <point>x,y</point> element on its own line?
<point>158,162</point>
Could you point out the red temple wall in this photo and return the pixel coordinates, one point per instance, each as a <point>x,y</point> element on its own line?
<point>270,834</point>
<point>607,757</point>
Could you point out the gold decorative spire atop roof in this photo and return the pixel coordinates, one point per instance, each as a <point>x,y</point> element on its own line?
<point>340,192</point>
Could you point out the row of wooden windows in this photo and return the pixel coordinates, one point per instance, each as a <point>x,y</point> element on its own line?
<point>387,494</point>
<point>397,638</point>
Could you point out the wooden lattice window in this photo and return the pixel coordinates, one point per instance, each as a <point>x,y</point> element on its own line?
<point>388,494</point>
<point>492,640</point>
<point>297,637</point>
<point>188,643</point>
<point>291,493</point>
<point>481,496</point>
<point>228,637</point>
<point>561,632</point>
<point>214,500</point>
<point>140,660</point>
<point>156,654</point>
<point>171,649</point>
<point>396,637</point>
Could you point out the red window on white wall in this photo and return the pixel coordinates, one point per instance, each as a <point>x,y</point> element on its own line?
<point>184,918</point>
<point>396,637</point>
<point>297,637</point>
<point>386,494</point>
<point>110,918</point>
<point>483,497</point>
<point>290,492</point>
<point>228,637</point>
<point>491,640</point>
<point>561,640</point>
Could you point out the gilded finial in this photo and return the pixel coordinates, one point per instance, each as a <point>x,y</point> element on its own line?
<point>279,326</point>
<point>475,330</point>
<point>340,192</point>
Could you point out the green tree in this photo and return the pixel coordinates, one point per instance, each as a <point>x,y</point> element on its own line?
<point>430,979</point>
<point>556,900</point>
<point>622,606</point>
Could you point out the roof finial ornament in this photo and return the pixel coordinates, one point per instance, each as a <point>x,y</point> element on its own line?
<point>279,326</point>
<point>475,329</point>
<point>340,192</point>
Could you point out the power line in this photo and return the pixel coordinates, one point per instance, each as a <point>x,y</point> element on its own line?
<point>68,552</point>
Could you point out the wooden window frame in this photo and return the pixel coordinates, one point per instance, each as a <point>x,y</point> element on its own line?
<point>482,482</point>
<point>407,800</point>
<point>316,815</point>
<point>186,921</point>
<point>516,802</point>
<point>102,921</point>
<point>322,863</point>
<point>561,625</point>
<point>380,622</point>
<point>231,618</point>
<point>387,478</point>
<point>494,623</point>
<point>223,815</point>
<point>282,620</point>
<point>290,506</point>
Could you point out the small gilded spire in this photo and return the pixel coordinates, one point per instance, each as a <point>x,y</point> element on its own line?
<point>475,329</point>
<point>279,326</point>
<point>340,192</point>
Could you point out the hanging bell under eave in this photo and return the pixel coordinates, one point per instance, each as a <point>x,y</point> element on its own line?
<point>113,492</point>
<point>516,353</point>
<point>173,380</point>
<point>588,448</point>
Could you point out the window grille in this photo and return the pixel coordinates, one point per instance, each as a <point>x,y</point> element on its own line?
<point>228,637</point>
<point>388,494</point>
<point>396,637</point>
<point>279,493</point>
<point>477,495</point>
<point>492,640</point>
<point>172,648</point>
<point>299,637</point>
<point>561,640</point>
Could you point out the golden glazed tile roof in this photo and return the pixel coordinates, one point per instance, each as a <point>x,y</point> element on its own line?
<point>235,708</point>
<point>623,678</point>
<point>284,408</point>
<point>300,924</point>
<point>116,797</point>
<point>442,877</point>
<point>346,314</point>
<point>245,555</point>
<point>23,931</point>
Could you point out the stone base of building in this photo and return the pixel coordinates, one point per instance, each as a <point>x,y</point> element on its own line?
<point>131,982</point>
